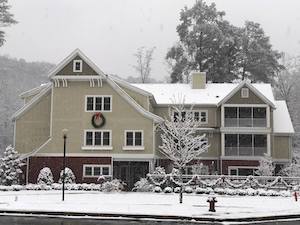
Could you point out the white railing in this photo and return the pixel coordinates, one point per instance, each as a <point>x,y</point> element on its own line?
<point>245,122</point>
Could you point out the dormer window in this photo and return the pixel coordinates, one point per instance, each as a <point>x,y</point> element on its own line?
<point>245,93</point>
<point>77,66</point>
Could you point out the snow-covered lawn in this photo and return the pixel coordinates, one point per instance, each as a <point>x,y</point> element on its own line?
<point>148,204</point>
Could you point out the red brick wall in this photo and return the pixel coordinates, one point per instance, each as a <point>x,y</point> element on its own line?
<point>227,163</point>
<point>56,165</point>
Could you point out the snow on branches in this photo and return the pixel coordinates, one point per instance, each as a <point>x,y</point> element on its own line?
<point>10,167</point>
<point>180,141</point>
<point>266,167</point>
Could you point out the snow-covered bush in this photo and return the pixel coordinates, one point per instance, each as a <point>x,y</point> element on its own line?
<point>188,189</point>
<point>157,189</point>
<point>56,186</point>
<point>168,190</point>
<point>45,176</point>
<point>159,171</point>
<point>200,169</point>
<point>176,189</point>
<point>200,190</point>
<point>251,191</point>
<point>69,176</point>
<point>10,167</point>
<point>285,193</point>
<point>113,185</point>
<point>220,191</point>
<point>266,167</point>
<point>143,185</point>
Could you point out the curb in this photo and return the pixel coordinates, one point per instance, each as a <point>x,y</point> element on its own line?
<point>143,216</point>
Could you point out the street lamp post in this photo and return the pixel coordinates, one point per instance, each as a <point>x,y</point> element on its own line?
<point>64,131</point>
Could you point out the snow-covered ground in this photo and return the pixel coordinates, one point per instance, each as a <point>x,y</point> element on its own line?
<point>148,204</point>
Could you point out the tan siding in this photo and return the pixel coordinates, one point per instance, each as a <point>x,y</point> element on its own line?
<point>69,112</point>
<point>237,99</point>
<point>68,69</point>
<point>33,127</point>
<point>281,147</point>
<point>139,98</point>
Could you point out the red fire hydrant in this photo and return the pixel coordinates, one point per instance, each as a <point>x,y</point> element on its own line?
<point>212,201</point>
<point>296,196</point>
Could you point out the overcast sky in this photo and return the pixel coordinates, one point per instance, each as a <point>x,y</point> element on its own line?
<point>110,31</point>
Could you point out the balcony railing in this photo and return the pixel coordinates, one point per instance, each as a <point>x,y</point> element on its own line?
<point>245,151</point>
<point>245,122</point>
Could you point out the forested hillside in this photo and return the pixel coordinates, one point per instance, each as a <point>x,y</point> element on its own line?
<point>16,76</point>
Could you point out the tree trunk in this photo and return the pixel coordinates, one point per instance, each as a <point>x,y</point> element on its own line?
<point>181,186</point>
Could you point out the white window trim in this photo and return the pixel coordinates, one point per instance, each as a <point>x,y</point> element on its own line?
<point>74,65</point>
<point>94,103</point>
<point>97,147</point>
<point>193,111</point>
<point>240,167</point>
<point>133,147</point>
<point>244,92</point>
<point>93,166</point>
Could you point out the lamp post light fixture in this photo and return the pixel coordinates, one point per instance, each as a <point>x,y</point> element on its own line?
<point>64,132</point>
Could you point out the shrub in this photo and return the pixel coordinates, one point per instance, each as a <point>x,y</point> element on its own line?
<point>113,185</point>
<point>69,176</point>
<point>177,189</point>
<point>45,176</point>
<point>188,190</point>
<point>157,189</point>
<point>143,185</point>
<point>168,190</point>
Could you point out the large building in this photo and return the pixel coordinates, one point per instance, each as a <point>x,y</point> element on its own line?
<point>112,124</point>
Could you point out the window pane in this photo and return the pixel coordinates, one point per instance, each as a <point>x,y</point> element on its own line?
<point>245,112</point>
<point>196,116</point>
<point>230,112</point>
<point>106,140</point>
<point>260,140</point>
<point>245,140</point>
<point>98,104</point>
<point>97,171</point>
<point>78,66</point>
<point>106,103</point>
<point>129,138</point>
<point>233,172</point>
<point>259,112</point>
<point>245,171</point>
<point>138,138</point>
<point>105,170</point>
<point>231,140</point>
<point>89,138</point>
<point>97,138</point>
<point>88,171</point>
<point>203,117</point>
<point>90,104</point>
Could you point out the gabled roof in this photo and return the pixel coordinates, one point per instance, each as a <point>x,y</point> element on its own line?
<point>282,123</point>
<point>68,59</point>
<point>264,93</point>
<point>32,102</point>
<point>213,94</point>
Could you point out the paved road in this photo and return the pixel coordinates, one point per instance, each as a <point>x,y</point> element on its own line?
<point>27,220</point>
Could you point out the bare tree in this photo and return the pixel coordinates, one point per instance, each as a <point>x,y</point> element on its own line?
<point>143,63</point>
<point>180,141</point>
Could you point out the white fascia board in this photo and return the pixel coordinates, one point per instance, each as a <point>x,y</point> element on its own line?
<point>31,103</point>
<point>129,86</point>
<point>35,151</point>
<point>252,88</point>
<point>132,102</point>
<point>33,91</point>
<point>68,59</point>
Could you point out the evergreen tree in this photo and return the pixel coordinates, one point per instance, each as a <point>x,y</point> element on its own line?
<point>6,19</point>
<point>10,167</point>
<point>45,176</point>
<point>207,42</point>
<point>69,176</point>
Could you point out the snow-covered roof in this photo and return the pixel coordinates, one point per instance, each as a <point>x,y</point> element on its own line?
<point>281,119</point>
<point>35,90</point>
<point>213,93</point>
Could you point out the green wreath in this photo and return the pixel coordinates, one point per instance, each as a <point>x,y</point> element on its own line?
<point>98,120</point>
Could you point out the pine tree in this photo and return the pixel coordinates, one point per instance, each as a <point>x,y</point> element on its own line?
<point>45,176</point>
<point>6,19</point>
<point>69,176</point>
<point>10,167</point>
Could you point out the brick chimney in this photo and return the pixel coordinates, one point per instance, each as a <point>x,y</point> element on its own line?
<point>198,79</point>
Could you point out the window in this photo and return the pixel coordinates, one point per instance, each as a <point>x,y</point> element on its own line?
<point>98,103</point>
<point>77,66</point>
<point>134,138</point>
<point>245,93</point>
<point>242,171</point>
<point>200,116</point>
<point>97,138</point>
<point>90,170</point>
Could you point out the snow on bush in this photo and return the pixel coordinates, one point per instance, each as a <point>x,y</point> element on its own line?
<point>10,167</point>
<point>177,190</point>
<point>143,185</point>
<point>188,189</point>
<point>69,176</point>
<point>113,185</point>
<point>157,189</point>
<point>45,176</point>
<point>200,190</point>
<point>168,190</point>
<point>266,166</point>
